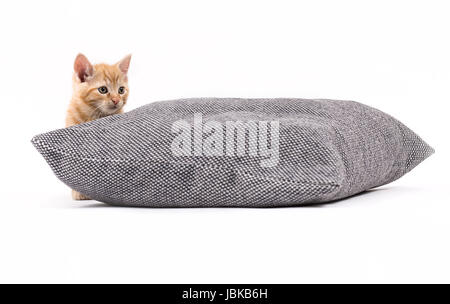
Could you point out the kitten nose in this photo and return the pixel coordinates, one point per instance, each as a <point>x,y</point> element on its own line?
<point>115,100</point>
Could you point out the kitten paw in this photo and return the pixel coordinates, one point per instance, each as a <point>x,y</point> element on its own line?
<point>78,196</point>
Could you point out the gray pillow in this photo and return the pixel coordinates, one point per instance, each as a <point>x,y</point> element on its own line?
<point>213,152</point>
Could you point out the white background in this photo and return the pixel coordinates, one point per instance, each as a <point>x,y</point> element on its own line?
<point>392,55</point>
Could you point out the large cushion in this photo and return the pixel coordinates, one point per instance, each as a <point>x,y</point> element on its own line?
<point>327,150</point>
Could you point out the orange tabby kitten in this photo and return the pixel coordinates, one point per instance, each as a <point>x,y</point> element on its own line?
<point>98,91</point>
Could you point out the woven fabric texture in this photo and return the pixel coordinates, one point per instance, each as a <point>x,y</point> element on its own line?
<point>328,150</point>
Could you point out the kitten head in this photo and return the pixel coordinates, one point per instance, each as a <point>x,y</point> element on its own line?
<point>101,87</point>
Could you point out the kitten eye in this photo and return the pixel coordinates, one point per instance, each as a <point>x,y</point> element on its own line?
<point>121,90</point>
<point>103,90</point>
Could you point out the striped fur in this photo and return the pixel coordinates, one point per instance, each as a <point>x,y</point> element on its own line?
<point>87,102</point>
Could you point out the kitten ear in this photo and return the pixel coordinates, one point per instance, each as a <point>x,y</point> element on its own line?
<point>124,64</point>
<point>83,68</point>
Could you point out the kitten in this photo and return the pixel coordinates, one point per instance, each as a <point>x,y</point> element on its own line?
<point>98,91</point>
